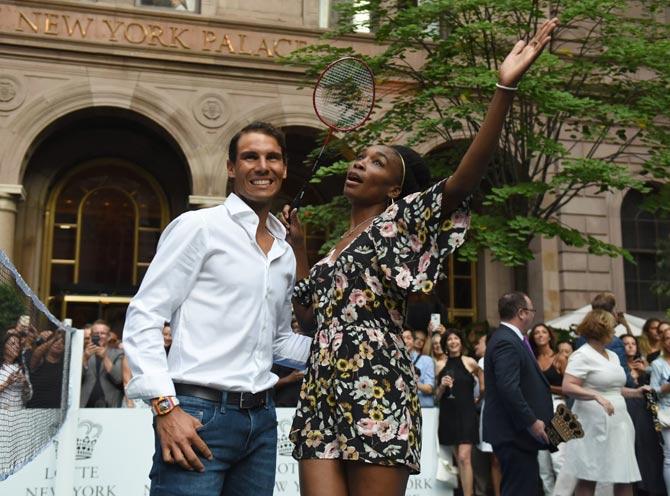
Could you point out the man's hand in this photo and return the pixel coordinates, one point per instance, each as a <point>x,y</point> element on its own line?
<point>100,351</point>
<point>177,434</point>
<point>89,351</point>
<point>537,431</point>
<point>295,376</point>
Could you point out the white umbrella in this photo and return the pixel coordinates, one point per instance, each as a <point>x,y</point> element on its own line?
<point>570,319</point>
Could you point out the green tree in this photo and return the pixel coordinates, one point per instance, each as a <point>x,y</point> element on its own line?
<point>598,95</point>
<point>11,307</point>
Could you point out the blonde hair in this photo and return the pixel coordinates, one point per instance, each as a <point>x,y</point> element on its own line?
<point>598,325</point>
<point>663,353</point>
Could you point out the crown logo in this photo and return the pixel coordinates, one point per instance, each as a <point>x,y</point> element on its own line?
<point>87,437</point>
<point>284,445</point>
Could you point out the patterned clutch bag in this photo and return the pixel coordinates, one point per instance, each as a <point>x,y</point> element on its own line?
<point>651,400</point>
<point>563,427</point>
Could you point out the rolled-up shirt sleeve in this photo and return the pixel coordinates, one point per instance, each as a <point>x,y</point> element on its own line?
<point>166,284</point>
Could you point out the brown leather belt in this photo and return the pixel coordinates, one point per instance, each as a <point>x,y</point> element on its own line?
<point>243,400</point>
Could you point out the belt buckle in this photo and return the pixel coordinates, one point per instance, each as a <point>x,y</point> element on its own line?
<point>242,402</point>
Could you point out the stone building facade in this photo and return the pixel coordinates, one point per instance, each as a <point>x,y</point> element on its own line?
<point>115,117</point>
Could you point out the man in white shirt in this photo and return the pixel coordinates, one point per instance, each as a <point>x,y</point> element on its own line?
<point>223,277</point>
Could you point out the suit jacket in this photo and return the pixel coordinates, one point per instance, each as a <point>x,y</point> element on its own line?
<point>111,383</point>
<point>517,392</point>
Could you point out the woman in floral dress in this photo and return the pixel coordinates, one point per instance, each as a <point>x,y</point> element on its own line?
<point>357,428</point>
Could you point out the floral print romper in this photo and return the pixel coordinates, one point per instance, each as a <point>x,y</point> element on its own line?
<point>359,398</point>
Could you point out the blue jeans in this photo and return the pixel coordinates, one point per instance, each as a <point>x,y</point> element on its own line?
<point>244,446</point>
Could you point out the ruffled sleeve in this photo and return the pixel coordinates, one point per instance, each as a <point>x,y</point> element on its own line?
<point>302,292</point>
<point>413,239</point>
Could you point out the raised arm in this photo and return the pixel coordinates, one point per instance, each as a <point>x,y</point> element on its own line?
<point>475,161</point>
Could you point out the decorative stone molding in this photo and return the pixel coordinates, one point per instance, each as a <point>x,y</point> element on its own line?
<point>203,201</point>
<point>14,190</point>
<point>12,92</point>
<point>211,110</point>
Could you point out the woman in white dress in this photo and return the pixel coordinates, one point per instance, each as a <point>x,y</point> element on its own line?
<point>595,378</point>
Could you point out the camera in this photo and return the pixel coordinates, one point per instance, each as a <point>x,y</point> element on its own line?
<point>95,339</point>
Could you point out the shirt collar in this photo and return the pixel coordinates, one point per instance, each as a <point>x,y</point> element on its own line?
<point>514,328</point>
<point>248,219</point>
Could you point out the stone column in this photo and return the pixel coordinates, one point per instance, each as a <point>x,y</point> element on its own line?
<point>543,279</point>
<point>10,195</point>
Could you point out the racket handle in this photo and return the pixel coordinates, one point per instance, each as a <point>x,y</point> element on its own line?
<point>298,199</point>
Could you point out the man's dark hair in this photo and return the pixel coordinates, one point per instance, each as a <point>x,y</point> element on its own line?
<point>258,127</point>
<point>510,303</point>
<point>604,301</point>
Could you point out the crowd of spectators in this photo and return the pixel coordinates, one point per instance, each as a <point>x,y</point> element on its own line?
<point>449,375</point>
<point>31,366</point>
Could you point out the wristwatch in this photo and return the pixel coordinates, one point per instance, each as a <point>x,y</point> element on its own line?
<point>163,405</point>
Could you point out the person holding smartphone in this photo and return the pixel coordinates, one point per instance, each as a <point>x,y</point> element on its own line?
<point>102,385</point>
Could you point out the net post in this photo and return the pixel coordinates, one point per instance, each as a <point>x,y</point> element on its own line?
<point>67,438</point>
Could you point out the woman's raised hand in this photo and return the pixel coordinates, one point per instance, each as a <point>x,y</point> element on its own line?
<point>295,234</point>
<point>524,54</point>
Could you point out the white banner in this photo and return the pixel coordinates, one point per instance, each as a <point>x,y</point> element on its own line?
<point>114,448</point>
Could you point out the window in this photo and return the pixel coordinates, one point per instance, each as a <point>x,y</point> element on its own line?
<point>641,232</point>
<point>183,5</point>
<point>102,230</point>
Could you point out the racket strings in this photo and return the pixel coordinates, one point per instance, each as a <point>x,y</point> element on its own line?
<point>344,96</point>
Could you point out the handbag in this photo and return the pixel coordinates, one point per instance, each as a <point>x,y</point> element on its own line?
<point>663,415</point>
<point>446,472</point>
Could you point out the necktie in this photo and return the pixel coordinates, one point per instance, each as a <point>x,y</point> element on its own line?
<point>526,343</point>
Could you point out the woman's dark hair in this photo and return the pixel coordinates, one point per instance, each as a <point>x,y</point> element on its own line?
<point>4,344</point>
<point>531,340</point>
<point>647,325</point>
<point>417,173</point>
<point>637,342</point>
<point>445,336</point>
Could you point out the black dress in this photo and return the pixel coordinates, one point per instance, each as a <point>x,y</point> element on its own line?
<point>458,417</point>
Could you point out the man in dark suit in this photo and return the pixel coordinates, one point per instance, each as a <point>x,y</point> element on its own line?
<point>518,400</point>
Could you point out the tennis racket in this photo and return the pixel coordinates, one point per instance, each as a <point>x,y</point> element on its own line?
<point>343,99</point>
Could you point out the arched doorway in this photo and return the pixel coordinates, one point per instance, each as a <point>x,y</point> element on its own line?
<point>112,180</point>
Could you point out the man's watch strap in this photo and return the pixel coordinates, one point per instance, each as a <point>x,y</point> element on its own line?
<point>163,405</point>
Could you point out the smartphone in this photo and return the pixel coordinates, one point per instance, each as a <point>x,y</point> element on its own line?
<point>95,339</point>
<point>434,320</point>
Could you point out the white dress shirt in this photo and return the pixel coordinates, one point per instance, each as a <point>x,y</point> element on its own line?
<point>229,306</point>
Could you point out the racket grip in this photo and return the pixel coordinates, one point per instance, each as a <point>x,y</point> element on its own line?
<point>297,200</point>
